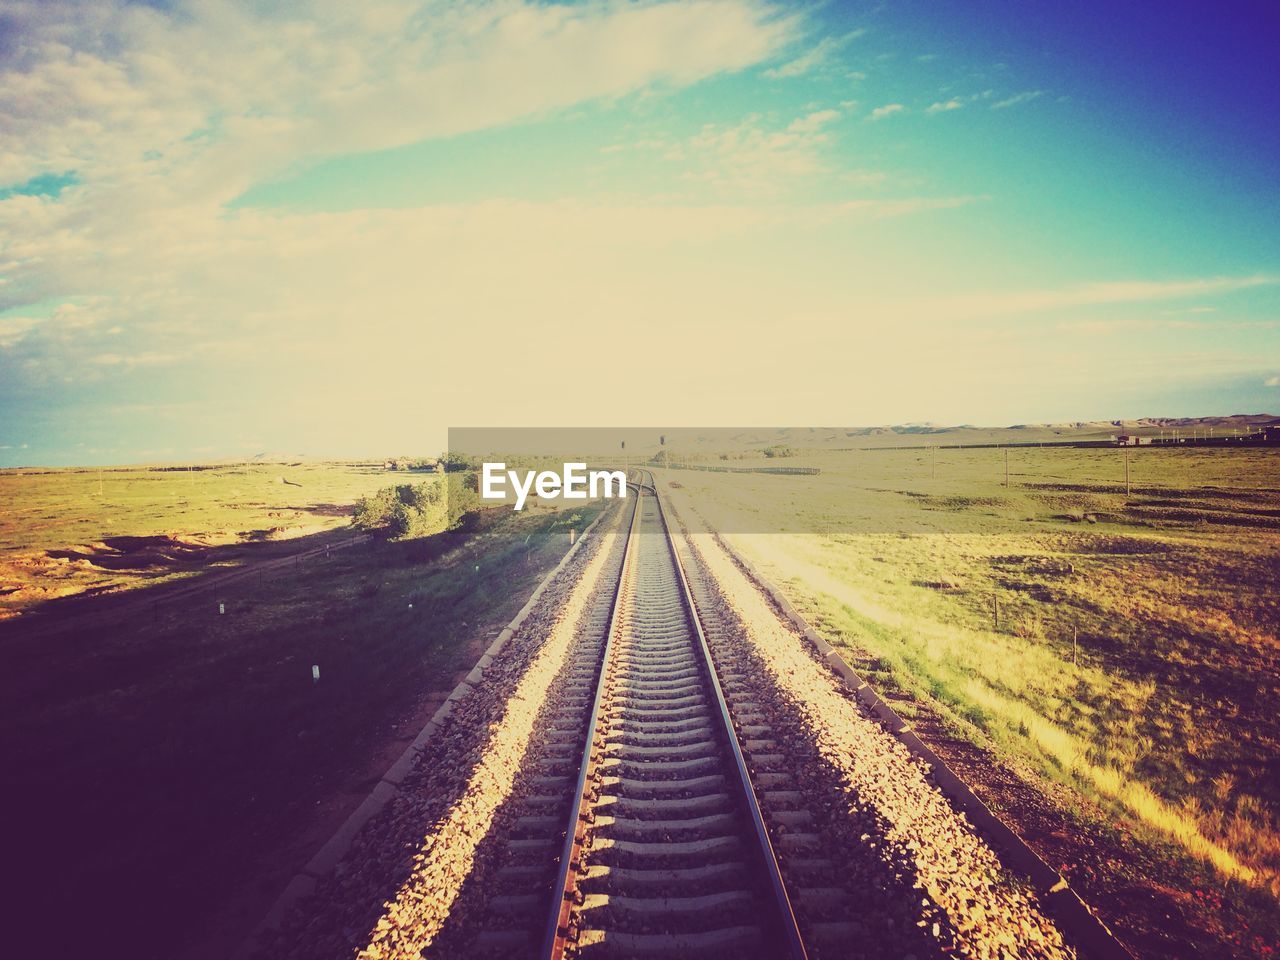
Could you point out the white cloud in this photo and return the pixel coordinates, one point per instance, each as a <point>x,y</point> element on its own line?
<point>882,209</point>
<point>1025,97</point>
<point>132,360</point>
<point>1093,294</point>
<point>888,110</point>
<point>121,92</point>
<point>100,85</point>
<point>64,323</point>
<point>167,116</point>
<point>14,328</point>
<point>300,294</point>
<point>942,106</point>
<point>863,178</point>
<point>816,56</point>
<point>755,157</point>
<point>813,122</point>
<point>1107,327</point>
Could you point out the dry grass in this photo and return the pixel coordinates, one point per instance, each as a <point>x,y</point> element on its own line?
<point>1135,655</point>
<point>72,531</point>
<point>174,759</point>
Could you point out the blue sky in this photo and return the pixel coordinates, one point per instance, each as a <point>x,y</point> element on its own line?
<point>227,229</point>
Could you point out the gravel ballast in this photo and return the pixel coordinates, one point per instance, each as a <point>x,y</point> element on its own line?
<point>983,911</point>
<point>394,891</point>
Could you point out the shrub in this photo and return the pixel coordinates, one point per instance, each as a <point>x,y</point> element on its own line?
<point>404,510</point>
<point>454,462</point>
<point>1029,627</point>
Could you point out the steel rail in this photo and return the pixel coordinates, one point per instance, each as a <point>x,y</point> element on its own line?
<point>557,930</point>
<point>789,927</point>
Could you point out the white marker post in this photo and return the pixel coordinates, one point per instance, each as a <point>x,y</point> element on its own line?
<point>315,673</point>
<point>222,608</point>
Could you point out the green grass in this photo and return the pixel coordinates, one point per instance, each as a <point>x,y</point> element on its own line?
<point>65,532</point>
<point>1134,660</point>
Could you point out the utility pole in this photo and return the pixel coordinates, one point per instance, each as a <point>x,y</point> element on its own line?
<point>1126,473</point>
<point>1006,468</point>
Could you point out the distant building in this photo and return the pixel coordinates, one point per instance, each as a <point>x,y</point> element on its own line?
<point>1129,440</point>
<point>1271,433</point>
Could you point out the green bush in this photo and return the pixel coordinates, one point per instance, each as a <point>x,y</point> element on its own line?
<point>404,510</point>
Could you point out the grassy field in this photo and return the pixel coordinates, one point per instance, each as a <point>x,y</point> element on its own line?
<point>87,531</point>
<point>162,758</point>
<point>1134,659</point>
<point>171,770</point>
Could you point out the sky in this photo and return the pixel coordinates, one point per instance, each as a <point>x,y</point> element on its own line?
<point>332,229</point>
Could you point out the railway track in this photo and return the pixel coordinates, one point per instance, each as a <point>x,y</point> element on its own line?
<point>690,783</point>
<point>639,834</point>
<point>665,815</point>
<point>666,851</point>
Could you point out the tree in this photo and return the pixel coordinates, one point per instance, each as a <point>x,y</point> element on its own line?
<point>454,462</point>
